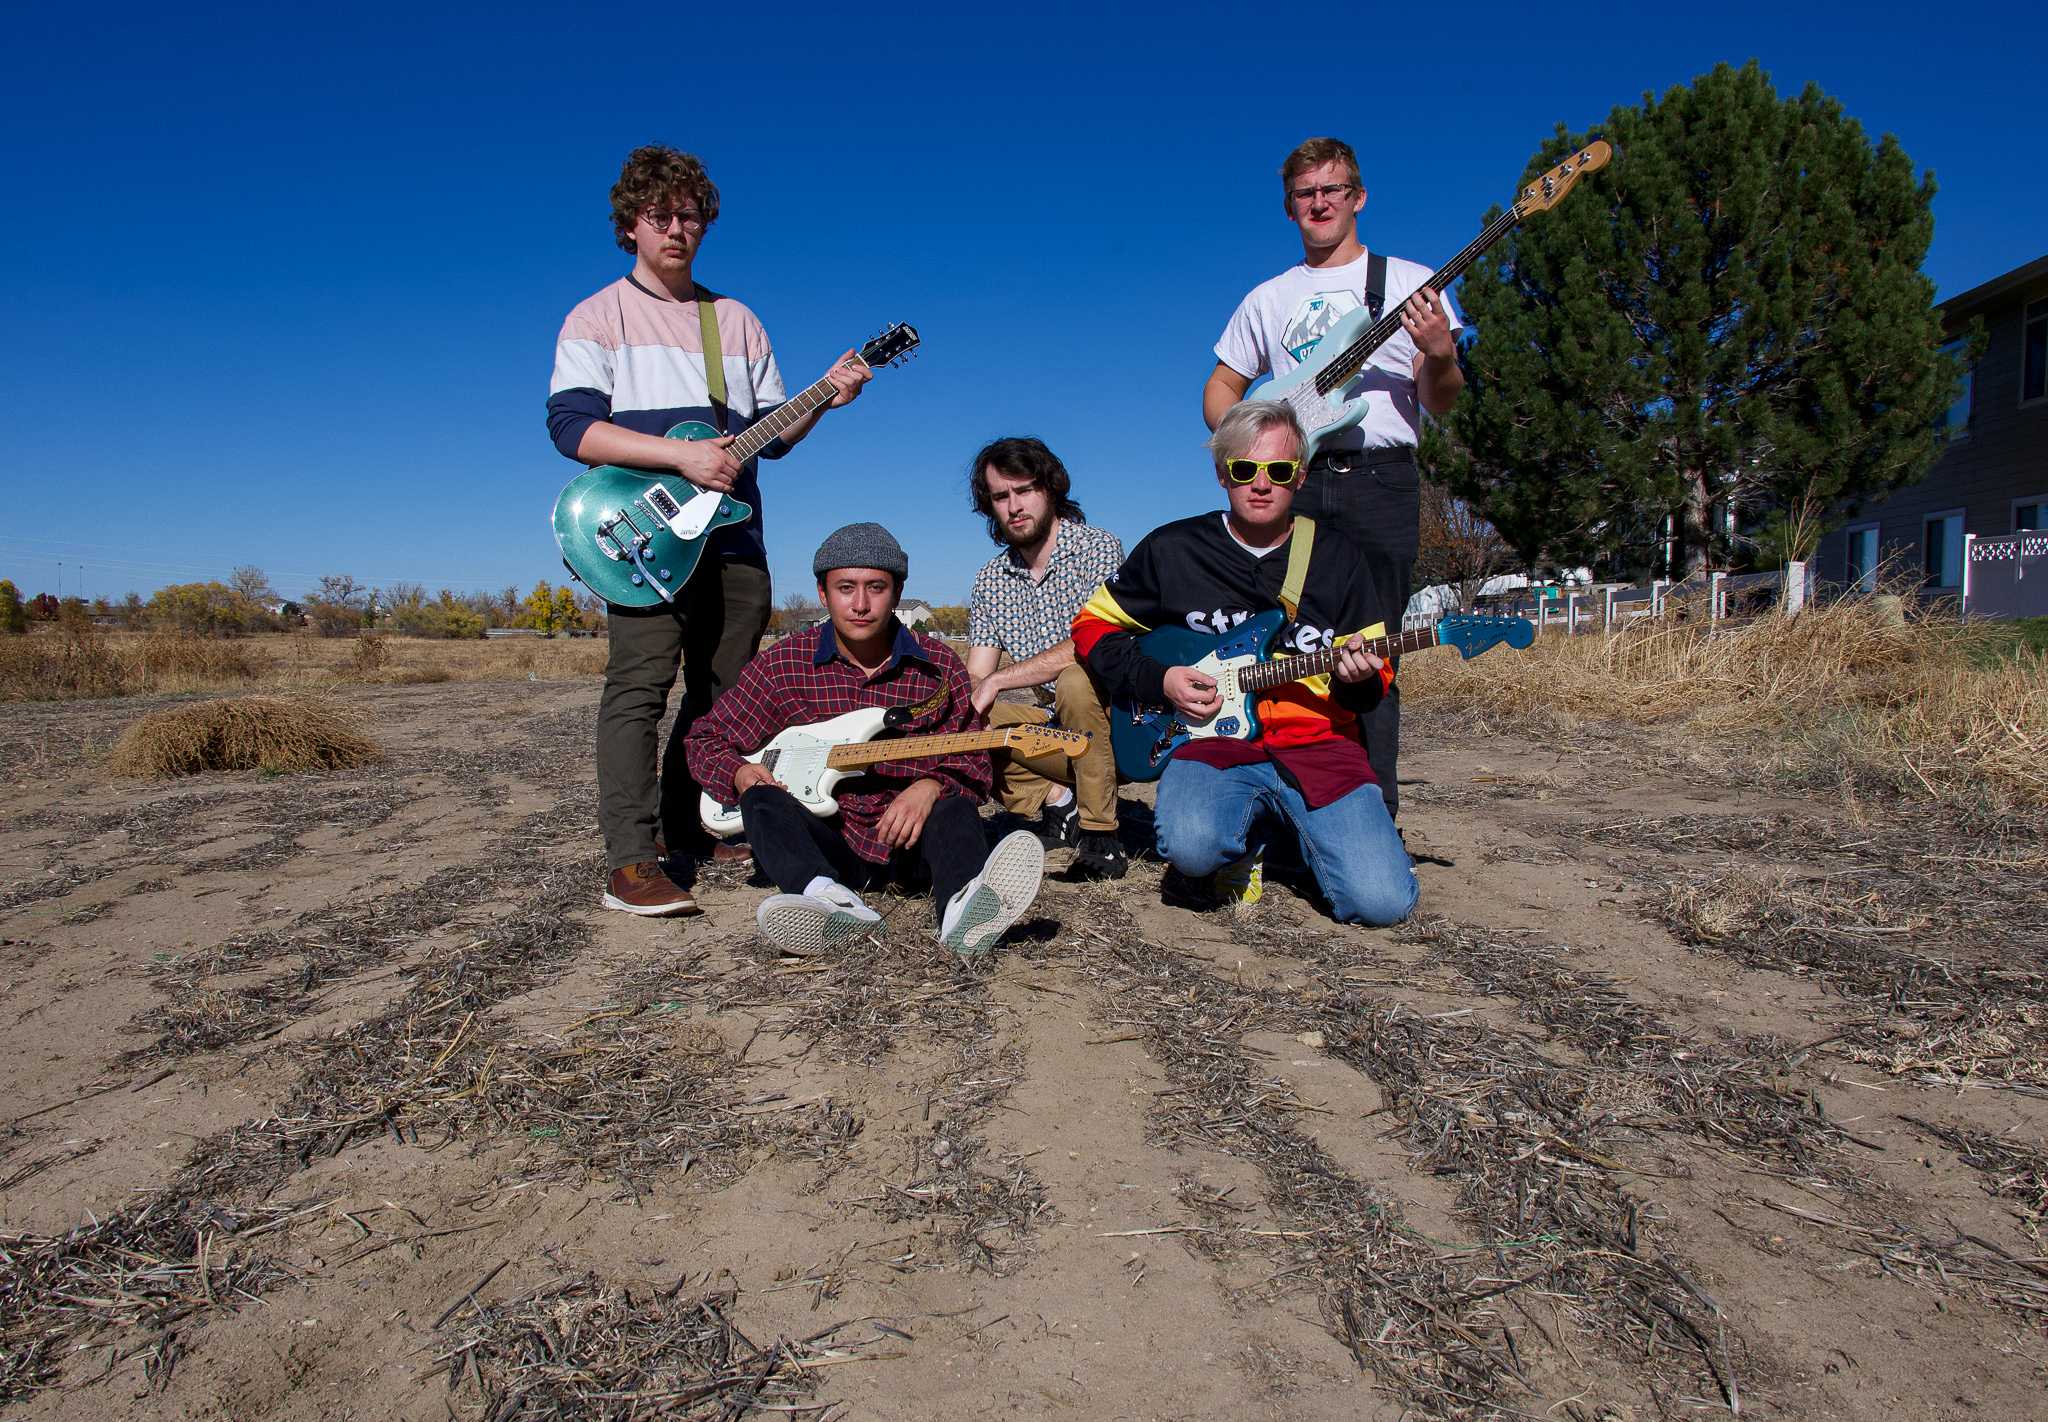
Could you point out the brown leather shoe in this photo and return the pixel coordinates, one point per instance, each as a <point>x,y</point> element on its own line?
<point>727,852</point>
<point>644,889</point>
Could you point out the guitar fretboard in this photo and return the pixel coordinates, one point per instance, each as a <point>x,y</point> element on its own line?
<point>859,753</point>
<point>804,403</point>
<point>1266,675</point>
<point>1346,364</point>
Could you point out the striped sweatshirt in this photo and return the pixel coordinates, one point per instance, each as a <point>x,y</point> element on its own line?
<point>637,360</point>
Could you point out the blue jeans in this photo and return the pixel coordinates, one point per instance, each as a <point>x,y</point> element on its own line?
<point>1208,817</point>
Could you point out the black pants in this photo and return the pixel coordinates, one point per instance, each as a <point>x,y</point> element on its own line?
<point>792,846</point>
<point>1375,499</point>
<point>710,630</point>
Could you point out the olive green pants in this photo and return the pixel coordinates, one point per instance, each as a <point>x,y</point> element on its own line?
<point>710,631</point>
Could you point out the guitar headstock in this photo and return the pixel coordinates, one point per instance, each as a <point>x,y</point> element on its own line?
<point>1473,632</point>
<point>1549,190</point>
<point>1047,740</point>
<point>893,344</point>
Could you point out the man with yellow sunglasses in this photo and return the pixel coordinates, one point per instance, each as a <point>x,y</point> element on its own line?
<point>1221,800</point>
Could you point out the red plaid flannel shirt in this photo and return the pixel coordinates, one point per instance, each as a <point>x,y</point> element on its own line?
<point>788,685</point>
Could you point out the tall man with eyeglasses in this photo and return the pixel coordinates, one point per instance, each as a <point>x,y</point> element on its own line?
<point>630,364</point>
<point>1222,800</point>
<point>1364,482</point>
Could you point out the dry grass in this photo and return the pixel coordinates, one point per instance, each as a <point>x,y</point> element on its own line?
<point>1840,693</point>
<point>85,662</point>
<point>250,733</point>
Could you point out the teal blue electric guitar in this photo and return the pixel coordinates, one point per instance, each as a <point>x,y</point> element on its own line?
<point>633,537</point>
<point>1317,387</point>
<point>1242,664</point>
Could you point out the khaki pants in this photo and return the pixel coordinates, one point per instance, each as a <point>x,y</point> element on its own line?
<point>1022,782</point>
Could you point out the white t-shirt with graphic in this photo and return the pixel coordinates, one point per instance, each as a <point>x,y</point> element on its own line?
<point>1282,320</point>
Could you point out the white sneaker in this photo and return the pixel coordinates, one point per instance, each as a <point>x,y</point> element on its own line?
<point>825,915</point>
<point>996,897</point>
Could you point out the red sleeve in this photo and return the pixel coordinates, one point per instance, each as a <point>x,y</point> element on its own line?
<point>739,723</point>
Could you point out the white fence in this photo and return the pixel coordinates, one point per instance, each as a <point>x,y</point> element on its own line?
<point>1611,607</point>
<point>2005,576</point>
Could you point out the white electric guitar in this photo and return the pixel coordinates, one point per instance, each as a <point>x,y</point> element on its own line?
<point>811,760</point>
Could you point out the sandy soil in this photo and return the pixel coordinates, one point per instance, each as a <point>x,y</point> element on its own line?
<point>337,1096</point>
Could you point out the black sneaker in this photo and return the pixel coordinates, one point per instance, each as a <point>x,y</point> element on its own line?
<point>1177,890</point>
<point>1099,855</point>
<point>1059,825</point>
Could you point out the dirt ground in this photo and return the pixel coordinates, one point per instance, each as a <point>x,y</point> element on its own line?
<point>337,1096</point>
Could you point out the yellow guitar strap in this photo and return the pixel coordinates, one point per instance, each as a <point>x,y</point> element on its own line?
<point>714,359</point>
<point>1298,547</point>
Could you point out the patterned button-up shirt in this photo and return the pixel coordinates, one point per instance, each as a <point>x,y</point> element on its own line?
<point>1015,614</point>
<point>802,679</point>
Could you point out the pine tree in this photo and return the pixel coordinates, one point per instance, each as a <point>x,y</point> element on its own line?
<point>1731,316</point>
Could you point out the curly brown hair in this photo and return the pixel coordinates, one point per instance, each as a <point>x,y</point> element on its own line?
<point>656,173</point>
<point>1313,154</point>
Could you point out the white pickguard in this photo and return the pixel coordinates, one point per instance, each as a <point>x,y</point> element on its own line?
<point>798,758</point>
<point>1229,719</point>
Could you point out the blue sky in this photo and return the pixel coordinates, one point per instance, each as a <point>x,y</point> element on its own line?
<point>283,288</point>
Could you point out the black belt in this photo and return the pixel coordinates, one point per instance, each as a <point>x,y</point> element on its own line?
<point>1352,461</point>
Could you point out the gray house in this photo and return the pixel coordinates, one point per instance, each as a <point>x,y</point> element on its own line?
<point>1992,476</point>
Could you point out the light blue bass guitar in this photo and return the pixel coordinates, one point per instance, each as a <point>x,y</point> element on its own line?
<point>634,537</point>
<point>1242,664</point>
<point>1317,389</point>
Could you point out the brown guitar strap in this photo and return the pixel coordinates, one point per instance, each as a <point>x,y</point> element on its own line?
<point>714,359</point>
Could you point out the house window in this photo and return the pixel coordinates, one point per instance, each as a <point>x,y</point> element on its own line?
<point>2030,515</point>
<point>2034,352</point>
<point>1861,574</point>
<point>1956,423</point>
<point>1943,543</point>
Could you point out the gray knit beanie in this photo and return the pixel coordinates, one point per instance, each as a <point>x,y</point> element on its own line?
<point>861,545</point>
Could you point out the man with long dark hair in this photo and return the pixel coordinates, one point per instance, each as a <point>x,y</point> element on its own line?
<point>1022,608</point>
<point>649,352</point>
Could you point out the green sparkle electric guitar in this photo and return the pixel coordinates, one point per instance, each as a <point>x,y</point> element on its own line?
<point>633,537</point>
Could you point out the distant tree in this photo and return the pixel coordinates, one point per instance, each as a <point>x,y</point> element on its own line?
<point>1456,546</point>
<point>132,611</point>
<point>568,616</point>
<point>1731,315</point>
<point>13,616</point>
<point>795,612</point>
<point>541,611</point>
<point>948,621</point>
<point>336,608</point>
<point>205,610</point>
<point>253,584</point>
<point>42,608</point>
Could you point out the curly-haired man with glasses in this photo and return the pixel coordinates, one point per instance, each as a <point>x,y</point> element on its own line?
<point>1364,481</point>
<point>641,356</point>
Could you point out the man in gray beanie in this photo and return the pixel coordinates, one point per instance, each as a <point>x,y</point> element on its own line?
<point>905,819</point>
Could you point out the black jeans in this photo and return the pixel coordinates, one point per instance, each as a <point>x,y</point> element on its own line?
<point>709,631</point>
<point>1374,498</point>
<point>792,846</point>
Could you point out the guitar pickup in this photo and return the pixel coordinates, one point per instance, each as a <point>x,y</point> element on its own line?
<point>685,518</point>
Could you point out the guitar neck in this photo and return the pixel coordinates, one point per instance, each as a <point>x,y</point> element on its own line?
<point>859,753</point>
<point>1267,675</point>
<point>802,405</point>
<point>1345,365</point>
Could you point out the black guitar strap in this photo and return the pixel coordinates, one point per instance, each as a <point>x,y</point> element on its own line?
<point>1375,283</point>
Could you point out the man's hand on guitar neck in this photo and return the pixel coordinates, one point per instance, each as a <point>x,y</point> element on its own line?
<point>1193,692</point>
<point>1354,663</point>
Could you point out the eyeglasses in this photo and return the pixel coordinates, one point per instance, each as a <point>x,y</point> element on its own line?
<point>1328,192</point>
<point>660,218</point>
<point>1279,471</point>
